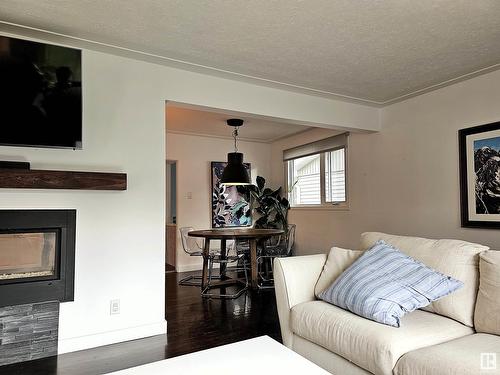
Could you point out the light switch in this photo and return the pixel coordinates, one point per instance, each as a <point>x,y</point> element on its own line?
<point>114,307</point>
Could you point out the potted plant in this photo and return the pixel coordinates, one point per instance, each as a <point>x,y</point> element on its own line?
<point>268,208</point>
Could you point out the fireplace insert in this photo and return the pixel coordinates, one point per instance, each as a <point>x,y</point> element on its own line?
<point>37,256</point>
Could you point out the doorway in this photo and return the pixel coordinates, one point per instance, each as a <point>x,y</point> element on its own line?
<point>171,220</point>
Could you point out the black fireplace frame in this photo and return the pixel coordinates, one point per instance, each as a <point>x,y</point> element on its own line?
<point>61,287</point>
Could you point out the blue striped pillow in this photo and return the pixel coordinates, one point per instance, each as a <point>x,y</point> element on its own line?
<point>384,284</point>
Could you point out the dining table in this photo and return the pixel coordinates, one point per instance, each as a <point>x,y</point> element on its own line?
<point>253,235</point>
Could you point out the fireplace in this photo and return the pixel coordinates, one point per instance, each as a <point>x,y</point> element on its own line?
<point>37,256</point>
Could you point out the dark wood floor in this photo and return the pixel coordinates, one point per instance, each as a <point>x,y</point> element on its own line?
<point>169,268</point>
<point>193,324</point>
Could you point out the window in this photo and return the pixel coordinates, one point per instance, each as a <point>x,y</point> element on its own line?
<point>317,178</point>
<point>304,174</point>
<point>335,176</point>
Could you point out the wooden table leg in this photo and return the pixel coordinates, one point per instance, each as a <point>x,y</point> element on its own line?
<point>253,262</point>
<point>223,256</point>
<point>206,254</point>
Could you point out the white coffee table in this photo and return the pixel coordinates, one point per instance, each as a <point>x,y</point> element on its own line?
<point>261,355</point>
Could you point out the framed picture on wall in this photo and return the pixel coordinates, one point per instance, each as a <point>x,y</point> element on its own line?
<point>229,207</point>
<point>479,149</point>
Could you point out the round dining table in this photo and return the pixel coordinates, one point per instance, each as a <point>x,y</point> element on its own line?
<point>223,234</point>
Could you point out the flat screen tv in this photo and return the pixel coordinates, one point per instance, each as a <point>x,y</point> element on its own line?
<point>40,94</point>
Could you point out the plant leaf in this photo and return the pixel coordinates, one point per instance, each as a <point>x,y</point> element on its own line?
<point>261,181</point>
<point>276,193</point>
<point>267,191</point>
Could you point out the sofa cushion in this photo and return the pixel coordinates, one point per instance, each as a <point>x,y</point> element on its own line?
<point>370,345</point>
<point>324,358</point>
<point>487,316</point>
<point>458,259</point>
<point>337,262</point>
<point>457,357</point>
<point>384,284</point>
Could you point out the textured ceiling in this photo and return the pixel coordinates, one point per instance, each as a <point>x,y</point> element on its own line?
<point>212,123</point>
<point>371,50</point>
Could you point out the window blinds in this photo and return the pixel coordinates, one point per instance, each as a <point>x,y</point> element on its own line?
<point>328,144</point>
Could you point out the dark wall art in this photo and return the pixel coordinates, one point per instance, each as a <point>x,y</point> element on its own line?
<point>229,207</point>
<point>480,176</point>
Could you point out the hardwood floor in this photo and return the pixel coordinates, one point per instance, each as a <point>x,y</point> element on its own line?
<point>193,324</point>
<point>169,268</point>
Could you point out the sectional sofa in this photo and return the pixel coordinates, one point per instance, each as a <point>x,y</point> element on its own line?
<point>459,334</point>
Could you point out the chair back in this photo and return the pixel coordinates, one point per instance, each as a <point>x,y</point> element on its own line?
<point>189,244</point>
<point>290,238</point>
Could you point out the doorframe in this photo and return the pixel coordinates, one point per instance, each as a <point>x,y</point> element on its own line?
<point>168,220</point>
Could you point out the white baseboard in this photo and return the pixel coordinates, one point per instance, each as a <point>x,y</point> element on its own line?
<point>188,267</point>
<point>191,267</point>
<point>73,344</point>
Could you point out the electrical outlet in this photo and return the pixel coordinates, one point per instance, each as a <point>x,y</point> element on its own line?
<point>114,307</point>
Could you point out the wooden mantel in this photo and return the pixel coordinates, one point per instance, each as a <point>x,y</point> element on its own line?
<point>42,179</point>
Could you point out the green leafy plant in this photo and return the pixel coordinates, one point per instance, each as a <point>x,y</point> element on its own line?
<point>269,209</point>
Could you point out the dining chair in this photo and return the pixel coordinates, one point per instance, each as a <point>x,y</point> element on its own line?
<point>194,248</point>
<point>235,257</point>
<point>282,248</point>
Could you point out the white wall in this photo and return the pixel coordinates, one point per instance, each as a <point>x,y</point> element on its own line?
<point>193,154</point>
<point>120,235</point>
<point>404,179</point>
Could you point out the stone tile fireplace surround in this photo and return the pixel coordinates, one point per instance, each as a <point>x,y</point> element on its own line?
<point>37,266</point>
<point>28,332</point>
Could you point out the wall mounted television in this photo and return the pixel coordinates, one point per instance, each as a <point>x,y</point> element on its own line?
<point>40,94</point>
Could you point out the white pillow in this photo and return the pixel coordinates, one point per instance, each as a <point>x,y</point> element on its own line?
<point>487,316</point>
<point>337,262</point>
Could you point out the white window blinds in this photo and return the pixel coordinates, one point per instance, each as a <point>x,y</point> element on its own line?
<point>328,144</point>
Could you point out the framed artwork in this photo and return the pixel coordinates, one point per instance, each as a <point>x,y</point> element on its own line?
<point>479,149</point>
<point>229,207</point>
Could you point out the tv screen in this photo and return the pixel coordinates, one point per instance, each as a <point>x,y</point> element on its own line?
<point>40,94</point>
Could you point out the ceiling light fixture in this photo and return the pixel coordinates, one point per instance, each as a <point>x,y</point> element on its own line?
<point>235,172</point>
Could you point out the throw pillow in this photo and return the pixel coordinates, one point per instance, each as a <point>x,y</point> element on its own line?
<point>487,316</point>
<point>384,284</point>
<point>458,259</point>
<point>337,262</point>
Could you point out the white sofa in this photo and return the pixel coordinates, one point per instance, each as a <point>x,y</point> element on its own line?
<point>447,338</point>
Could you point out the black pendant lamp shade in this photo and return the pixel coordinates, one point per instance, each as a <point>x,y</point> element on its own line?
<point>235,172</point>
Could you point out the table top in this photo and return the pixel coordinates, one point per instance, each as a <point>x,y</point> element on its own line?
<point>243,233</point>
<point>247,357</point>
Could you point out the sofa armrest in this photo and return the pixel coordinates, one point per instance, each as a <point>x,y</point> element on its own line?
<point>294,282</point>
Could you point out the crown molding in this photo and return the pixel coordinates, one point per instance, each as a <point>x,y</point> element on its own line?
<point>228,137</point>
<point>36,34</point>
<point>440,85</point>
<point>207,135</point>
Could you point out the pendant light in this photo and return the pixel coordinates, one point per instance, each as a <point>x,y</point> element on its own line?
<point>235,172</point>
